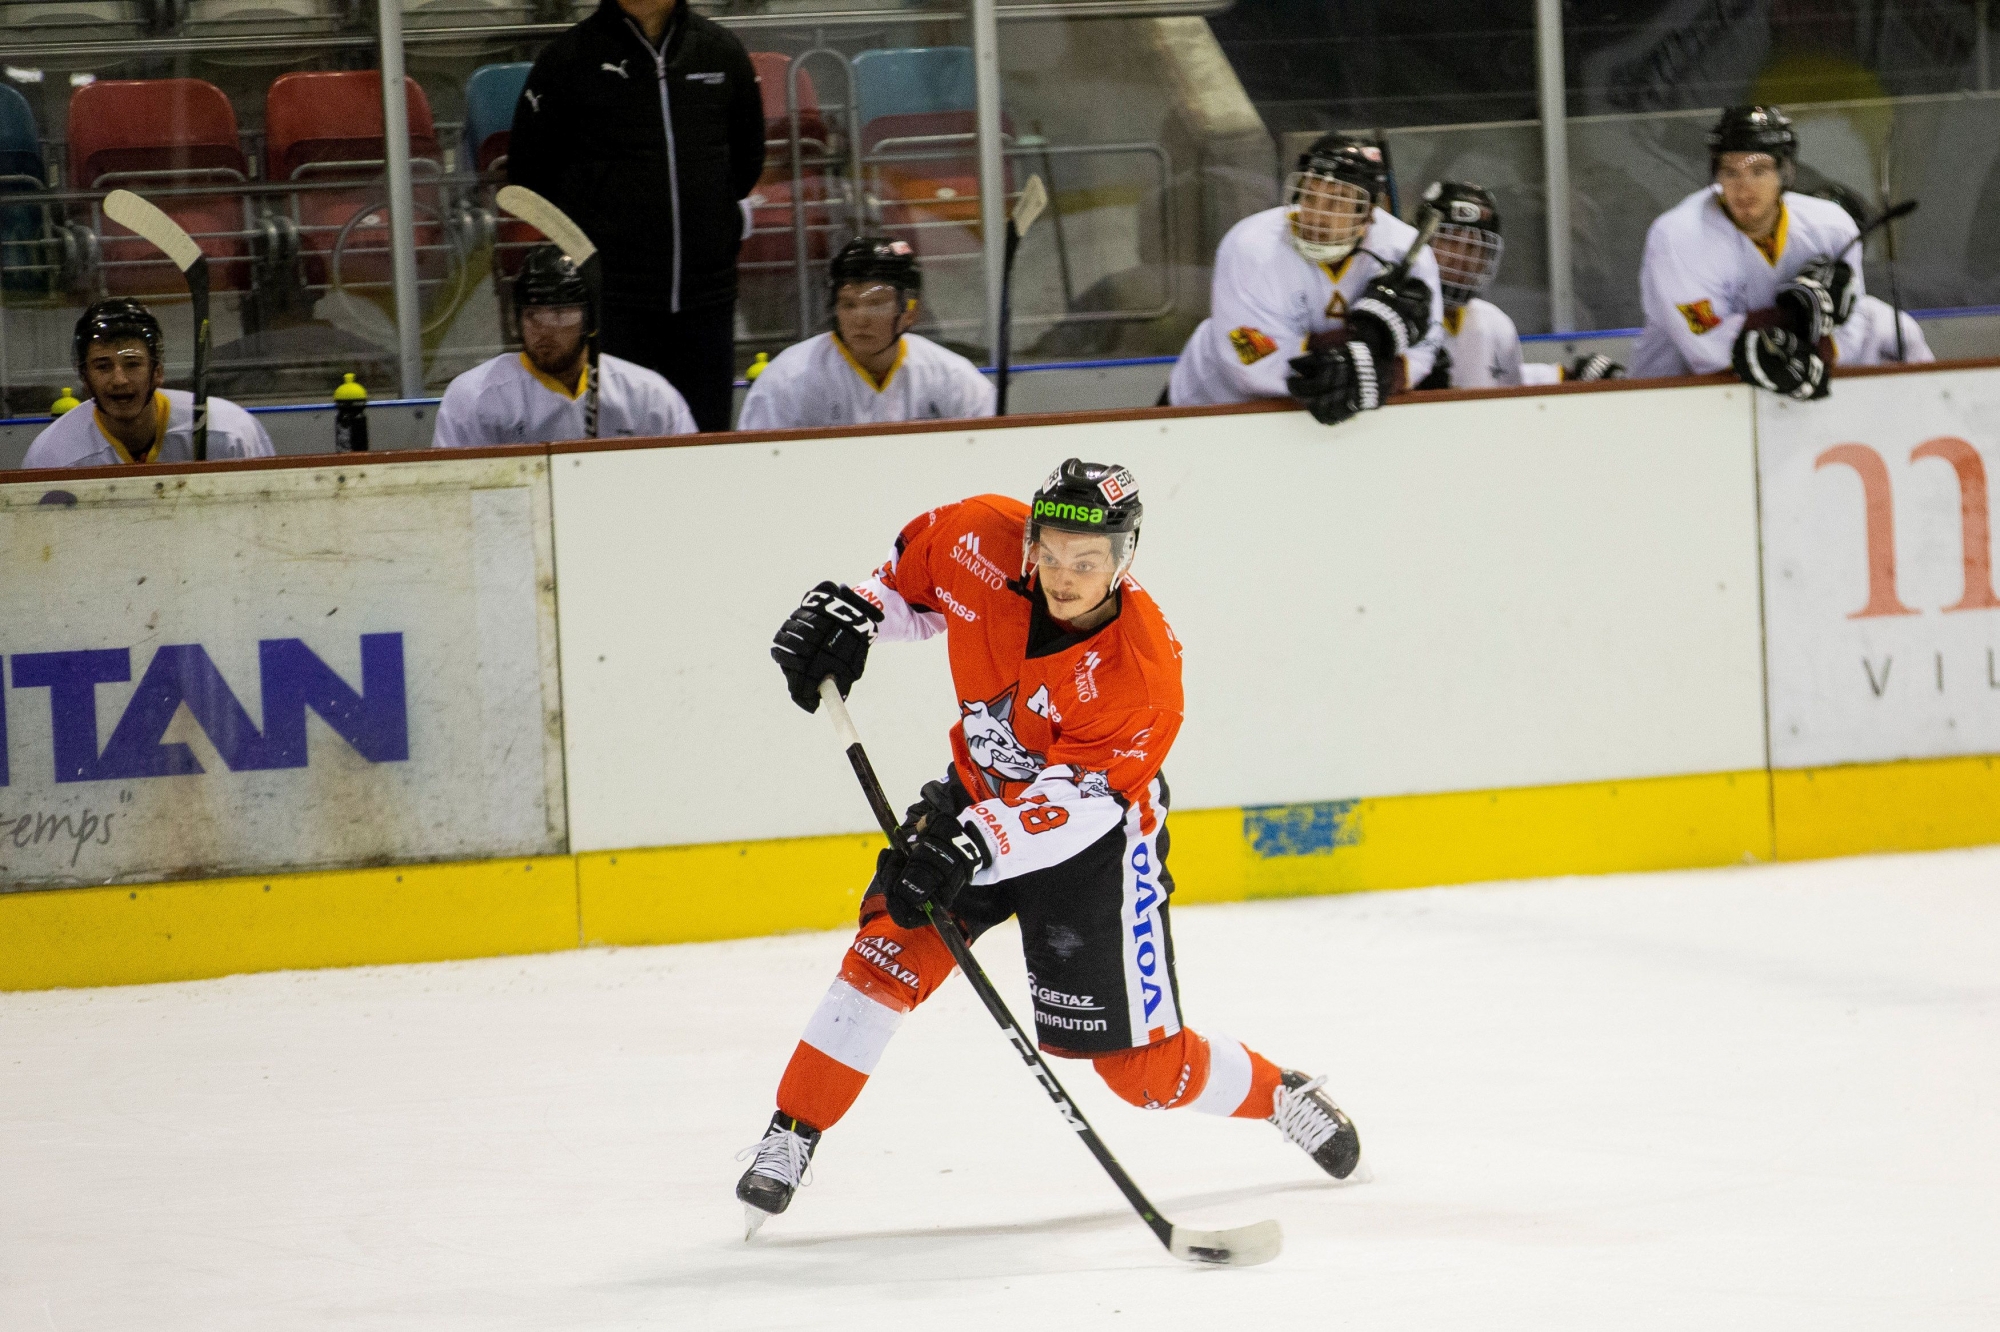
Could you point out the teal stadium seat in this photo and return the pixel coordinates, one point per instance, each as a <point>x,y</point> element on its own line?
<point>490,96</point>
<point>22,170</point>
<point>912,81</point>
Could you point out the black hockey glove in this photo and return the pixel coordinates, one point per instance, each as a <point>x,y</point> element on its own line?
<point>1335,382</point>
<point>939,862</point>
<point>1391,317</point>
<point>1819,298</point>
<point>1586,369</point>
<point>1772,358</point>
<point>827,635</point>
<point>1440,375</point>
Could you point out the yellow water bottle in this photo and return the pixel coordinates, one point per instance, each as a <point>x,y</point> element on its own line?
<point>64,403</point>
<point>350,417</point>
<point>757,366</point>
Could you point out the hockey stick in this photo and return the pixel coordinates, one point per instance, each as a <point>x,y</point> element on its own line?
<point>1034,198</point>
<point>1244,1246</point>
<point>554,223</point>
<point>128,210</point>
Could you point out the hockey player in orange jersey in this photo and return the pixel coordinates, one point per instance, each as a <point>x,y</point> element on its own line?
<point>1054,810</point>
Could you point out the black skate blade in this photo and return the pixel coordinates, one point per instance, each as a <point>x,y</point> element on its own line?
<point>1245,1246</point>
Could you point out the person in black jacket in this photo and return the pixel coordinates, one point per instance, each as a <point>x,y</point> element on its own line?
<point>644,123</point>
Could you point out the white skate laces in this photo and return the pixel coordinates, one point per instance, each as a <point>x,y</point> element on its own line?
<point>781,1155</point>
<point>1300,1118</point>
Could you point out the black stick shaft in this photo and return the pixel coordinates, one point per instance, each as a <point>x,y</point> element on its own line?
<point>975,975</point>
<point>1003,354</point>
<point>197,280</point>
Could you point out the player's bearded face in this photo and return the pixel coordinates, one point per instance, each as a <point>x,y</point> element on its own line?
<point>1076,571</point>
<point>122,377</point>
<point>1328,217</point>
<point>1752,186</point>
<point>870,316</point>
<point>552,335</point>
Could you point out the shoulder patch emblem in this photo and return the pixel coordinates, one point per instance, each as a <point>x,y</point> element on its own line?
<point>1252,345</point>
<point>1700,316</point>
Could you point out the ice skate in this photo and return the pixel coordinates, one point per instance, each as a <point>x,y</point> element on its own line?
<point>1308,1117</point>
<point>783,1157</point>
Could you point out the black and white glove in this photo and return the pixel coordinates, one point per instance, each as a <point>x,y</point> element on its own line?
<point>1391,316</point>
<point>1335,382</point>
<point>827,635</point>
<point>1775,359</point>
<point>1587,369</point>
<point>939,861</point>
<point>1821,297</point>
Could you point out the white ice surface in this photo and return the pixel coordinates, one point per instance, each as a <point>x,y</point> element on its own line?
<point>1762,1098</point>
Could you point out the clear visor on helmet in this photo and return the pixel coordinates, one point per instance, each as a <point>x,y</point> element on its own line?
<point>1328,216</point>
<point>1467,259</point>
<point>1076,554</point>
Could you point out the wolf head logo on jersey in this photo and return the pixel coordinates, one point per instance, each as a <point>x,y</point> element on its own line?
<point>989,738</point>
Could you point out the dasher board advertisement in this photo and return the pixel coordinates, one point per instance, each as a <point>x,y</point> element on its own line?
<point>1882,622</point>
<point>246,672</point>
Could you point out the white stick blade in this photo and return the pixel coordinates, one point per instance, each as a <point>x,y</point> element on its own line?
<point>1034,198</point>
<point>128,210</point>
<point>548,219</point>
<point>1245,1246</point>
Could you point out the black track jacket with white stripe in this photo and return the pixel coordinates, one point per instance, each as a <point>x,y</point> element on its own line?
<point>647,150</point>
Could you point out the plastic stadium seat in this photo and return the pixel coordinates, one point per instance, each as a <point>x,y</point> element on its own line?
<point>770,241</point>
<point>22,170</point>
<point>912,80</point>
<point>490,96</point>
<point>148,133</point>
<point>922,93</point>
<point>321,127</point>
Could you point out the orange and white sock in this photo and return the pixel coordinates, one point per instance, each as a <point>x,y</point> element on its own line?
<point>843,1042</point>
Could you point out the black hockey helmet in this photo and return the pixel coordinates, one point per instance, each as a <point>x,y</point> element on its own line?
<point>549,277</point>
<point>1846,198</point>
<point>1752,129</point>
<point>1349,157</point>
<point>1468,244</point>
<point>116,320</point>
<point>1096,499</point>
<point>875,259</point>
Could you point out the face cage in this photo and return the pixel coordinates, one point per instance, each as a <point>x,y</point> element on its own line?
<point>1124,545</point>
<point>1463,275</point>
<point>1328,216</point>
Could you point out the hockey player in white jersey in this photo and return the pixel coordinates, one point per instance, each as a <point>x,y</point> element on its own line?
<point>1305,302</point>
<point>869,369</point>
<point>130,418</point>
<point>1877,333</point>
<point>538,395</point>
<point>1482,348</point>
<point>1744,274</point>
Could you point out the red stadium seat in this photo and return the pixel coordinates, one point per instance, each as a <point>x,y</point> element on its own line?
<point>770,241</point>
<point>932,200</point>
<point>327,127</point>
<point>148,134</point>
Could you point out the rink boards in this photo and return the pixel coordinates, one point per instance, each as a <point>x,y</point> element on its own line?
<point>520,700</point>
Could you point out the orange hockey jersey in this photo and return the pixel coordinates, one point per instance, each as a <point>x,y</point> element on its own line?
<point>1059,734</point>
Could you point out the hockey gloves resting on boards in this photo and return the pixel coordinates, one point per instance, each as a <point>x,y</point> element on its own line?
<point>1790,356</point>
<point>1590,369</point>
<point>1775,359</point>
<point>828,635</point>
<point>1337,381</point>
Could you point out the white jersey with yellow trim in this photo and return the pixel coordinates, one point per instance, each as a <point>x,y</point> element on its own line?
<point>1869,336</point>
<point>818,383</point>
<point>508,401</point>
<point>78,439</point>
<point>1267,301</point>
<point>1702,276</point>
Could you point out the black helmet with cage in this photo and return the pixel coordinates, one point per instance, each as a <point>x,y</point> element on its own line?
<point>120,319</point>
<point>1094,499</point>
<point>1329,196</point>
<point>1467,244</point>
<point>1753,129</point>
<point>875,259</point>
<point>549,278</point>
